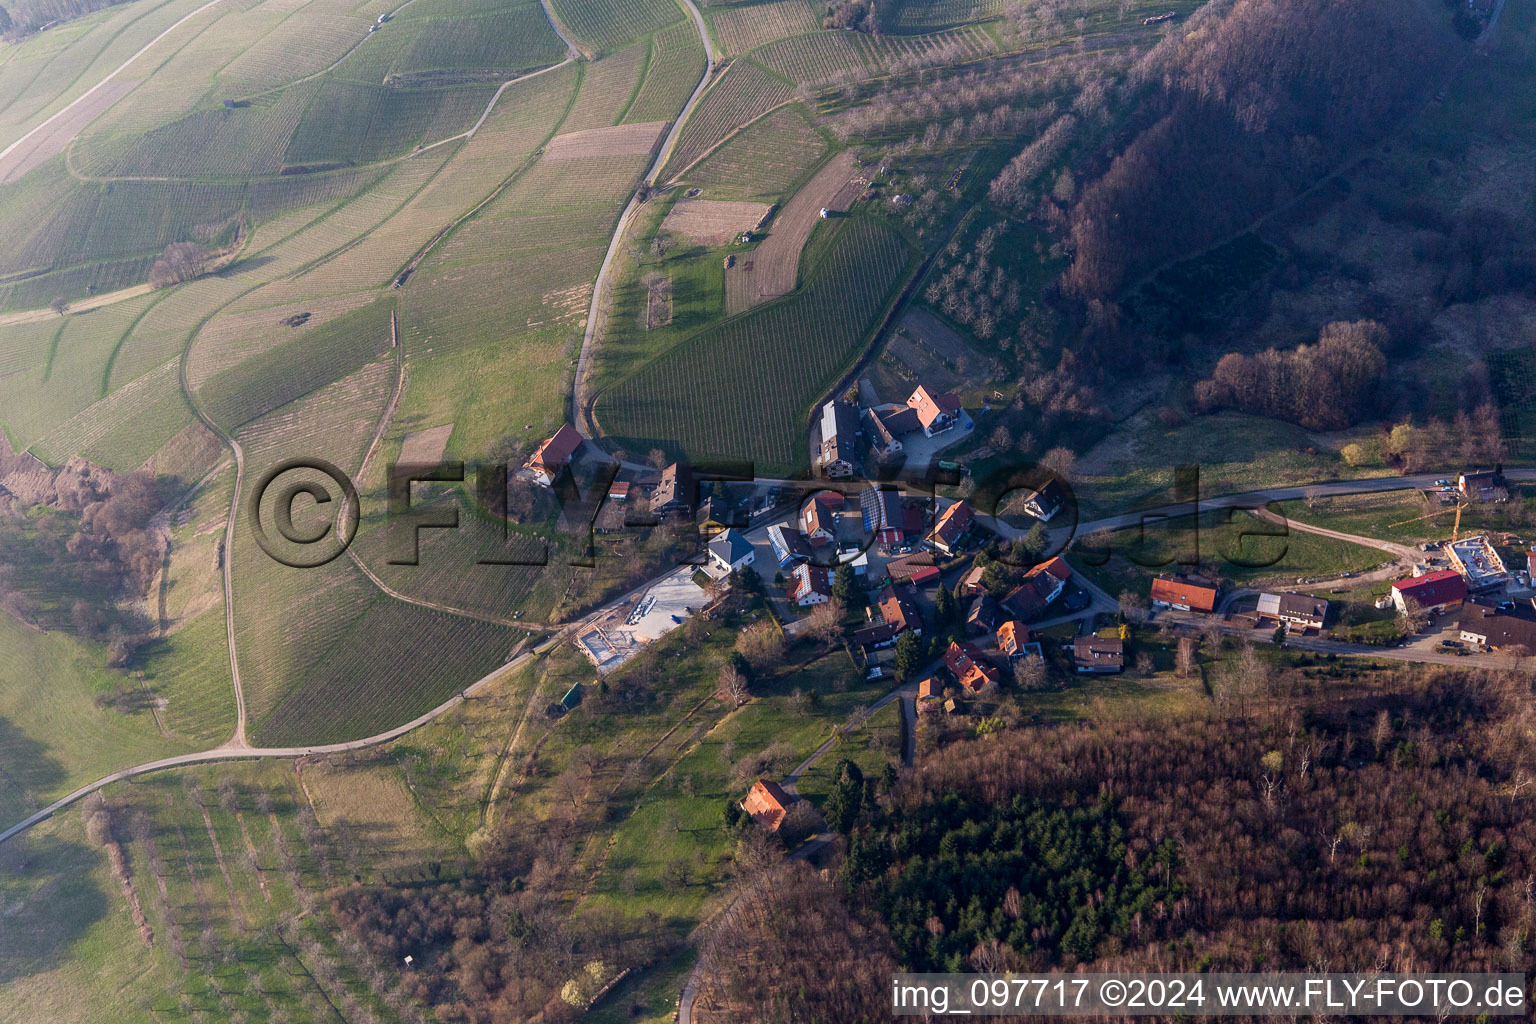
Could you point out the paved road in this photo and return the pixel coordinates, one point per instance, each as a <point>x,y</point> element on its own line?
<point>581,399</point>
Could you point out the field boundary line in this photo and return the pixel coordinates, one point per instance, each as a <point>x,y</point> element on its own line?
<point>110,76</point>
<point>690,165</point>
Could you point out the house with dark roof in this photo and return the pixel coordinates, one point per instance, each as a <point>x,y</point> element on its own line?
<point>674,492</point>
<point>1041,585</point>
<point>969,666</point>
<point>982,616</point>
<point>1300,610</point>
<point>1432,592</point>
<point>888,424</point>
<point>810,585</point>
<point>1094,654</point>
<point>789,545</point>
<point>767,803</point>
<point>1045,501</point>
<point>717,513</point>
<point>936,413</point>
<point>1186,595</point>
<point>949,533</point>
<point>839,439</point>
<point>554,454</point>
<point>882,513</point>
<point>1498,630</point>
<point>1483,485</point>
<point>731,552</point>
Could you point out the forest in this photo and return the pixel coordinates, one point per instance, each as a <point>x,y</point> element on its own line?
<point>1383,828</point>
<point>1263,100</point>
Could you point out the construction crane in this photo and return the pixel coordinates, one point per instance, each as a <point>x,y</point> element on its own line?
<point>1455,529</point>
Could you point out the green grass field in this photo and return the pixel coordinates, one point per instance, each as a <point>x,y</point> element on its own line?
<point>744,389</point>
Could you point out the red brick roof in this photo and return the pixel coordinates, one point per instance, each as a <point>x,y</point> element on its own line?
<point>557,451</point>
<point>968,665</point>
<point>767,803</point>
<point>1433,588</point>
<point>954,522</point>
<point>930,407</point>
<point>1012,636</point>
<point>1199,598</point>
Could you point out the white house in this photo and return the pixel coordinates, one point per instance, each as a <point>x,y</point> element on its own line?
<point>730,552</point>
<point>812,585</point>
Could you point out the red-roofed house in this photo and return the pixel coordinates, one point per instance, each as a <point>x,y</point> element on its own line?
<point>935,413</point>
<point>812,585</point>
<point>767,803</point>
<point>554,455</point>
<point>1185,595</point>
<point>1433,592</point>
<point>953,525</point>
<point>1011,638</point>
<point>969,665</point>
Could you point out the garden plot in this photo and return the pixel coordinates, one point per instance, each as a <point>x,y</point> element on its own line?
<point>709,222</point>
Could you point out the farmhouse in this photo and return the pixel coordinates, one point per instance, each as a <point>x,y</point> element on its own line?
<point>730,552</point>
<point>767,803</point>
<point>839,439</point>
<point>1301,610</point>
<point>1184,594</point>
<point>950,531</point>
<point>935,413</point>
<point>1098,654</point>
<point>1433,592</point>
<point>1476,559</point>
<point>812,586</point>
<point>1483,486</point>
<point>554,454</point>
<point>1044,502</point>
<point>1495,630</point>
<point>674,494</point>
<point>969,666</point>
<point>888,424</point>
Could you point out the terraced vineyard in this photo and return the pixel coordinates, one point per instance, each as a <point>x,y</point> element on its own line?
<point>765,160</point>
<point>605,25</point>
<point>677,61</point>
<point>749,26</point>
<point>607,86</point>
<point>743,93</point>
<point>744,389</point>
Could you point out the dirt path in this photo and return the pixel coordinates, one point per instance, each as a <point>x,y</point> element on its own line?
<point>85,96</point>
<point>581,396</point>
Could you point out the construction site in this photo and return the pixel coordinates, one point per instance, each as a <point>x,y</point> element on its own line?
<point>1476,559</point>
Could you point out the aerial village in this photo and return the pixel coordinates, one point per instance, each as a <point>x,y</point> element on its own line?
<point>957,606</point>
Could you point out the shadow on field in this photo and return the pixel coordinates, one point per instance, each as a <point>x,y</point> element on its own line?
<point>25,769</point>
<point>51,900</point>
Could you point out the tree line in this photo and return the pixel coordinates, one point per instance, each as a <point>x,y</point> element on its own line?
<point>1327,386</point>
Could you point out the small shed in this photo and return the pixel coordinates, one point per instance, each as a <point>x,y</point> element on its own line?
<point>572,698</point>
